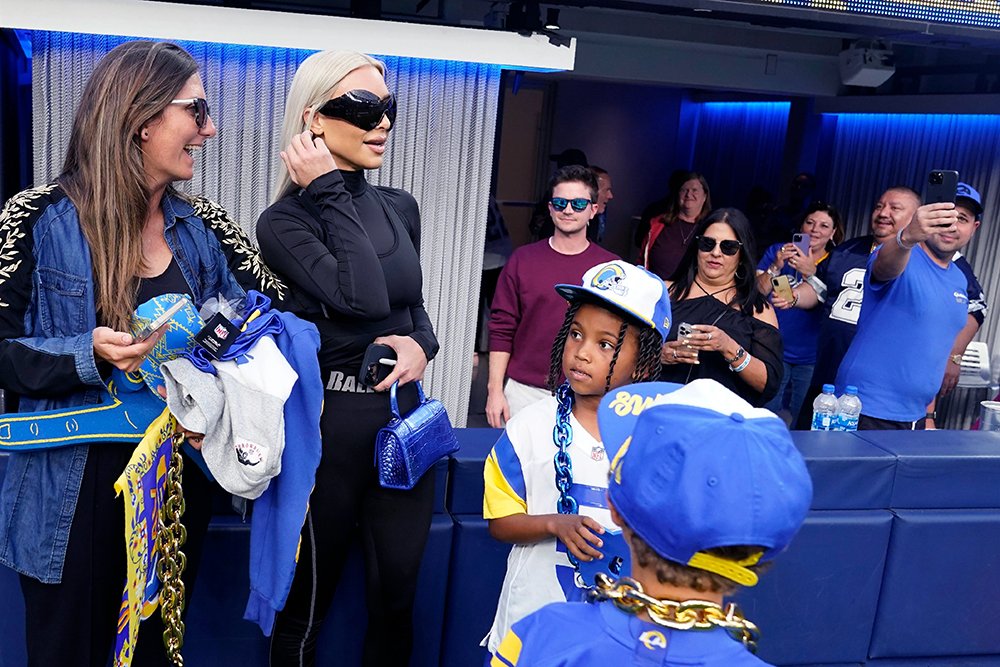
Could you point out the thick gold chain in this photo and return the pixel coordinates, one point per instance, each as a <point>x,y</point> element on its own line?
<point>170,538</point>
<point>628,595</point>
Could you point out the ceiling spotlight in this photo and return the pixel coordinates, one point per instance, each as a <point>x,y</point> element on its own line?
<point>551,18</point>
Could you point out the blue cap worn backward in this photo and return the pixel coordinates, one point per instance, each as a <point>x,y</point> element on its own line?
<point>629,289</point>
<point>176,340</point>
<point>699,468</point>
<point>967,192</point>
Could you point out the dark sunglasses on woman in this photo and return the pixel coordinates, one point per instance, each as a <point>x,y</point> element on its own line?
<point>728,247</point>
<point>200,106</point>
<point>578,204</point>
<point>361,108</point>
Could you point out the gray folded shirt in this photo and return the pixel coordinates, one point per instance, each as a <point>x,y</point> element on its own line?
<point>244,428</point>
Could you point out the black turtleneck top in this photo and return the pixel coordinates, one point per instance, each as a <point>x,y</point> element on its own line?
<point>349,252</point>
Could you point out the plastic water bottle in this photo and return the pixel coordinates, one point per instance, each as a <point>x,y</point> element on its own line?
<point>848,410</point>
<point>824,409</point>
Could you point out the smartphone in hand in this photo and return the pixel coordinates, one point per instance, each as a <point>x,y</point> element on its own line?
<point>801,241</point>
<point>942,186</point>
<point>151,327</point>
<point>783,288</point>
<point>376,365</point>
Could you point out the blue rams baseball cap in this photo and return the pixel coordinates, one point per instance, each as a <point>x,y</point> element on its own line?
<point>972,199</point>
<point>629,289</point>
<point>178,338</point>
<point>698,468</point>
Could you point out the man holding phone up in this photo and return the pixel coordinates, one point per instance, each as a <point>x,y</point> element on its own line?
<point>916,303</point>
<point>838,287</point>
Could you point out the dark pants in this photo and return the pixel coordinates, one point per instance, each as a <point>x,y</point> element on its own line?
<point>393,530</point>
<point>74,622</point>
<point>805,418</point>
<point>866,423</point>
<point>487,289</point>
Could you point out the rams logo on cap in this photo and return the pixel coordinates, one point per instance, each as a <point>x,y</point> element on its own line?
<point>963,189</point>
<point>653,639</point>
<point>610,278</point>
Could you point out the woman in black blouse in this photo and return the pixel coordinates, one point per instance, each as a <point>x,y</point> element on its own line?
<point>735,337</point>
<point>349,252</point>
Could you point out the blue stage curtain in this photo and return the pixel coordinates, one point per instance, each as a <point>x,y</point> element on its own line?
<point>871,152</point>
<point>740,145</point>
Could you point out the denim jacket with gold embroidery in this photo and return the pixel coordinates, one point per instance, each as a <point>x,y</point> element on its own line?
<point>47,319</point>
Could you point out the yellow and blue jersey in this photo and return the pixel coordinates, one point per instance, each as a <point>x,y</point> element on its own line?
<point>577,634</point>
<point>520,479</point>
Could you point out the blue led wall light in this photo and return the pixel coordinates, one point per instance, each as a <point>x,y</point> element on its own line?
<point>980,13</point>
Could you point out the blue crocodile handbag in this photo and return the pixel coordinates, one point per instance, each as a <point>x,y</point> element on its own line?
<point>407,446</point>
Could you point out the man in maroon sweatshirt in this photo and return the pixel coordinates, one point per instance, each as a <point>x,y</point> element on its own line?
<point>527,312</point>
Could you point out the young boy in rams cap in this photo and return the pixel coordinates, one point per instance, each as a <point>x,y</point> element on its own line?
<point>707,490</point>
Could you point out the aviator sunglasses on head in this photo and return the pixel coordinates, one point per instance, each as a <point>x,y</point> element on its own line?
<point>200,105</point>
<point>578,204</point>
<point>728,247</point>
<point>361,108</point>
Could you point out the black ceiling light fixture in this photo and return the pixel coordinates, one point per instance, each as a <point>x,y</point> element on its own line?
<point>551,18</point>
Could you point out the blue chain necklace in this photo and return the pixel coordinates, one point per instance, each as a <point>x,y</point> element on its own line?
<point>562,436</point>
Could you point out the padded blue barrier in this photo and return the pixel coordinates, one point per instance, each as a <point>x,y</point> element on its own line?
<point>942,469</point>
<point>950,661</point>
<point>941,585</point>
<point>478,566</point>
<point>215,632</point>
<point>817,603</point>
<point>847,471</point>
<point>217,635</point>
<point>340,641</point>
<point>465,495</point>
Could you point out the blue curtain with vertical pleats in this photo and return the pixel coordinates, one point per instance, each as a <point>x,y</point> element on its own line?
<point>740,145</point>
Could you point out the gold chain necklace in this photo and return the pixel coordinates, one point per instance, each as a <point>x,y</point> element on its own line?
<point>628,595</point>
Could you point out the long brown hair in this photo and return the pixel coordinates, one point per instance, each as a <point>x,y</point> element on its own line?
<point>103,174</point>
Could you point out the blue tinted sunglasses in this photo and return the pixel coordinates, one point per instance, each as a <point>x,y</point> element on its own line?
<point>578,204</point>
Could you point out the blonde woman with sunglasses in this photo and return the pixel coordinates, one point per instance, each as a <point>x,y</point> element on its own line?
<point>349,252</point>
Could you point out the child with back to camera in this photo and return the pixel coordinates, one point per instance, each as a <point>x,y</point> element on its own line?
<point>611,335</point>
<point>707,491</point>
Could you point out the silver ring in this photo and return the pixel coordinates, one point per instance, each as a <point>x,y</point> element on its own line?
<point>709,336</point>
<point>675,354</point>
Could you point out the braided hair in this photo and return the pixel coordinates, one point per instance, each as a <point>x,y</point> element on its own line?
<point>647,361</point>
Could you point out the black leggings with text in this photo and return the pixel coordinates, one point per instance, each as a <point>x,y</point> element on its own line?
<point>392,525</point>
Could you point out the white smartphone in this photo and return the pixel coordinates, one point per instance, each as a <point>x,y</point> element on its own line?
<point>148,330</point>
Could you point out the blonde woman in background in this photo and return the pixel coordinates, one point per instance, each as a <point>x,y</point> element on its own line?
<point>349,252</point>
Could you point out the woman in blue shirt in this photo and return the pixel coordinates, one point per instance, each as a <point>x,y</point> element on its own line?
<point>799,328</point>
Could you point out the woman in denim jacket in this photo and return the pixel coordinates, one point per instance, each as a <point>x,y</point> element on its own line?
<point>76,257</point>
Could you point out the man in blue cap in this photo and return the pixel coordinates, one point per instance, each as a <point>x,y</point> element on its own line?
<point>707,489</point>
<point>916,305</point>
<point>967,198</point>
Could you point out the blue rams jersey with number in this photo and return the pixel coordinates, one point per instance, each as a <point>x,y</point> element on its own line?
<point>843,273</point>
<point>577,634</point>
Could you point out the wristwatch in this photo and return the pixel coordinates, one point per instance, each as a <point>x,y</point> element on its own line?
<point>739,353</point>
<point>931,415</point>
<point>955,359</point>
